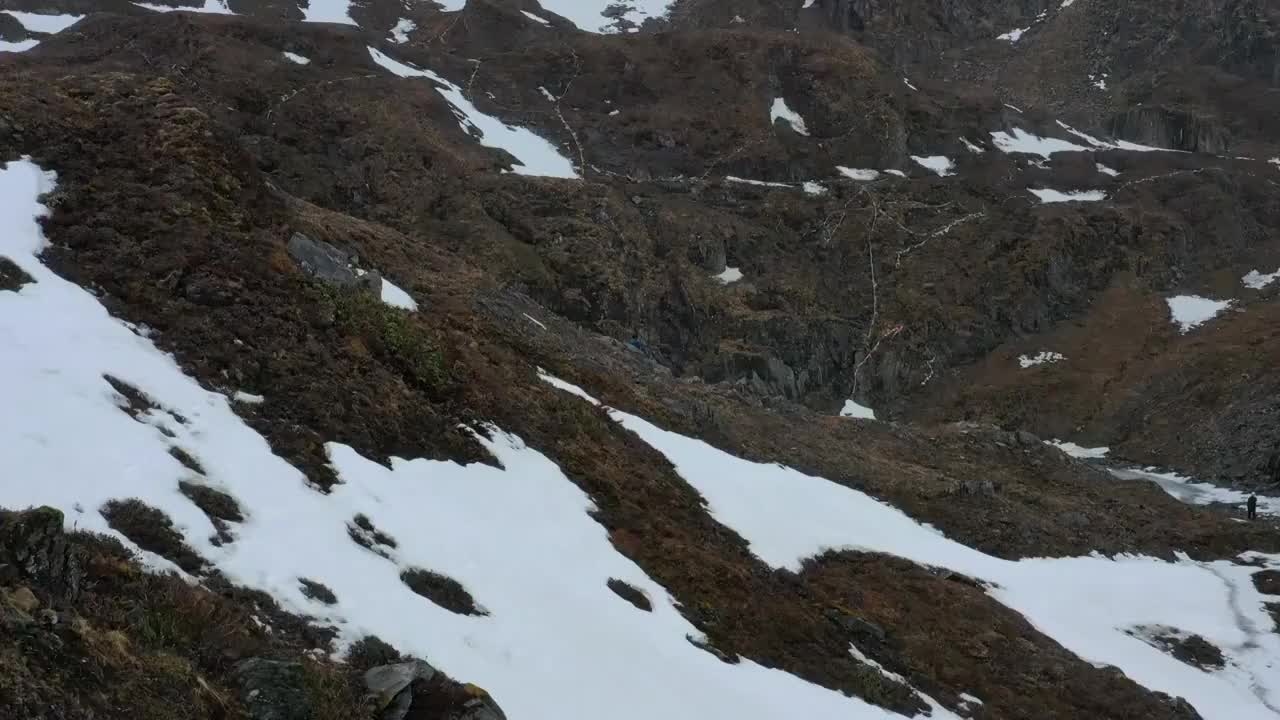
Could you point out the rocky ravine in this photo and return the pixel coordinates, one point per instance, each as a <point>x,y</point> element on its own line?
<point>745,227</point>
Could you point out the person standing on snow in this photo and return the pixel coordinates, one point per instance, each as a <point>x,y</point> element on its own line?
<point>1252,505</point>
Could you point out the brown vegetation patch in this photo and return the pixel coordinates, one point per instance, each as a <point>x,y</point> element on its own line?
<point>441,590</point>
<point>218,506</point>
<point>631,594</point>
<point>137,644</point>
<point>362,530</point>
<point>318,591</point>
<point>153,531</point>
<point>1267,582</point>
<point>186,459</point>
<point>1192,649</point>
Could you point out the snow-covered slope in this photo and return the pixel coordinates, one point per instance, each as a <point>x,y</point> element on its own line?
<point>519,538</point>
<point>1094,606</point>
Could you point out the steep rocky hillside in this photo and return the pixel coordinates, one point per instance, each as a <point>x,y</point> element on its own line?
<point>495,358</point>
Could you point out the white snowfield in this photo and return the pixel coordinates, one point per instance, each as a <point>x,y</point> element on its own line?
<point>296,58</point>
<point>854,410</point>
<point>779,111</point>
<point>1020,141</point>
<point>590,15</point>
<point>39,22</point>
<point>400,33</point>
<point>1013,35</point>
<point>939,164</point>
<point>395,297</point>
<point>1084,603</point>
<point>1197,493</point>
<point>534,155</point>
<point>520,539</point>
<point>1191,311</point>
<point>728,275</point>
<point>326,11</point>
<point>1257,281</point>
<point>859,174</point>
<point>18,46</point>
<point>1049,195</point>
<point>36,22</point>
<point>211,7</point>
<point>1079,451</point>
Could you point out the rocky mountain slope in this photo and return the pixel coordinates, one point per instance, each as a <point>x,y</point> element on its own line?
<point>638,360</point>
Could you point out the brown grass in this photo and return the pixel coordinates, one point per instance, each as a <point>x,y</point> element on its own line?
<point>441,590</point>
<point>153,531</point>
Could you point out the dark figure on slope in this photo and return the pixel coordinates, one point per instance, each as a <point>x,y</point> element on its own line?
<point>1252,505</point>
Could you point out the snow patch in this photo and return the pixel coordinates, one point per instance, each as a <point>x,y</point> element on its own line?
<point>1021,141</point>
<point>908,84</point>
<point>534,320</point>
<point>779,110</point>
<point>400,33</point>
<point>395,297</point>
<point>730,275</point>
<point>854,410</point>
<point>899,173</point>
<point>1191,492</point>
<point>1013,35</point>
<point>859,174</point>
<point>1047,195</point>
<point>975,149</point>
<point>326,11</point>
<point>296,58</point>
<point>37,22</point>
<point>211,7</point>
<point>1106,170</point>
<point>1191,311</point>
<point>248,398</point>
<point>761,183</point>
<point>1078,451</point>
<point>19,46</point>
<point>533,154</point>
<point>604,16</point>
<point>568,387</point>
<point>535,18</point>
<point>1257,281</point>
<point>939,164</point>
<point>1045,356</point>
<point>813,188</point>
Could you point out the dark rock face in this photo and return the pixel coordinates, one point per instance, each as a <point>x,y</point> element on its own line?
<point>273,690</point>
<point>414,690</point>
<point>327,263</point>
<point>1161,127</point>
<point>34,547</point>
